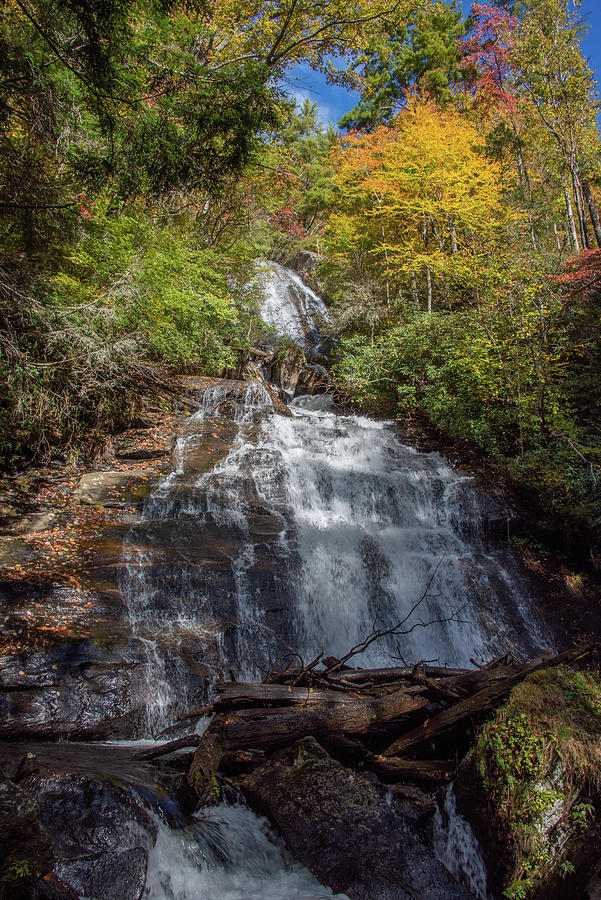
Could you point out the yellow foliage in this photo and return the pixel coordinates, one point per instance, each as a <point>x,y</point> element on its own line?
<point>283,32</point>
<point>423,191</point>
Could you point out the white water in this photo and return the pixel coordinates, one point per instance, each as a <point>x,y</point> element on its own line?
<point>457,848</point>
<point>230,854</point>
<point>376,526</point>
<point>289,305</point>
<point>171,610</point>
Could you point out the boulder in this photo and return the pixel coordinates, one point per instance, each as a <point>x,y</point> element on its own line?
<point>100,833</point>
<point>117,875</point>
<point>343,828</point>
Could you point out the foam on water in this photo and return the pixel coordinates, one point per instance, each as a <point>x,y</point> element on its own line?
<point>229,854</point>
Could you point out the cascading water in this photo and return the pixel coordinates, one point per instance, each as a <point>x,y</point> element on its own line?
<point>187,563</point>
<point>375,527</point>
<point>457,848</point>
<point>229,854</point>
<point>289,305</point>
<point>302,533</point>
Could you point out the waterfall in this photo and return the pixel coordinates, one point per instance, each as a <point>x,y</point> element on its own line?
<point>278,534</point>
<point>306,533</point>
<point>289,305</point>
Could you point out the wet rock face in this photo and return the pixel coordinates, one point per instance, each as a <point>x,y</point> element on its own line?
<point>76,660</point>
<point>83,689</point>
<point>291,372</point>
<point>342,828</point>
<point>100,834</point>
<point>26,849</point>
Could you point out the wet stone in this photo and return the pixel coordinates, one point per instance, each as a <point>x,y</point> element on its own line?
<point>119,875</point>
<point>343,829</point>
<point>113,487</point>
<point>26,849</point>
<point>101,835</point>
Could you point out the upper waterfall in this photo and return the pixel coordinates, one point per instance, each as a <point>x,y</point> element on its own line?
<point>290,306</point>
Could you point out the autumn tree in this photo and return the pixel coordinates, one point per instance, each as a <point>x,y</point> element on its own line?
<point>423,202</point>
<point>559,89</point>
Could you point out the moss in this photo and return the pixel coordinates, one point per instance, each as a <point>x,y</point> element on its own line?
<point>287,350</point>
<point>539,760</point>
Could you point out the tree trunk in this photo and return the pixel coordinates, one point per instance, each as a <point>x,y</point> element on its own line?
<point>580,209</point>
<point>280,727</point>
<point>570,219</point>
<point>592,208</point>
<point>453,231</point>
<point>556,232</point>
<point>429,288</point>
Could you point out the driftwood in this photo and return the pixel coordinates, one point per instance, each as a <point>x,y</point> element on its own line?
<point>391,721</point>
<point>493,684</point>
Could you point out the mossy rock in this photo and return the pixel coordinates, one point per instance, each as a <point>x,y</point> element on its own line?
<point>538,763</point>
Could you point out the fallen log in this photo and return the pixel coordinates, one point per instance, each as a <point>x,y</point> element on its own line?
<point>265,728</point>
<point>499,685</point>
<point>231,695</point>
<point>428,771</point>
<point>354,711</point>
<point>398,673</point>
<point>188,740</point>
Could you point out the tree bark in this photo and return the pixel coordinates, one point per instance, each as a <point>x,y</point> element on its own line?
<point>592,208</point>
<point>580,210</point>
<point>279,728</point>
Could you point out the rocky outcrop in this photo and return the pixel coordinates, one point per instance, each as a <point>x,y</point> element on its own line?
<point>529,789</point>
<point>290,371</point>
<point>26,853</point>
<point>341,826</point>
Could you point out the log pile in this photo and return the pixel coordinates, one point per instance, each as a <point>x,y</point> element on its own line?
<point>405,723</point>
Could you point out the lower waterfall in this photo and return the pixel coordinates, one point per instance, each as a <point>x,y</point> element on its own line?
<point>312,531</point>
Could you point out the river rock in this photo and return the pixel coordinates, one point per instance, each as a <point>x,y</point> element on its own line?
<point>101,835</point>
<point>26,848</point>
<point>343,829</point>
<point>119,875</point>
<point>84,815</point>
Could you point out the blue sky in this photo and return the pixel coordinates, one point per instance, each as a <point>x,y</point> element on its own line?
<point>335,101</point>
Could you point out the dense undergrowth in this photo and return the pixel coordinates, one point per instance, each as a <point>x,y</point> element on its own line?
<point>128,303</point>
<point>539,761</point>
